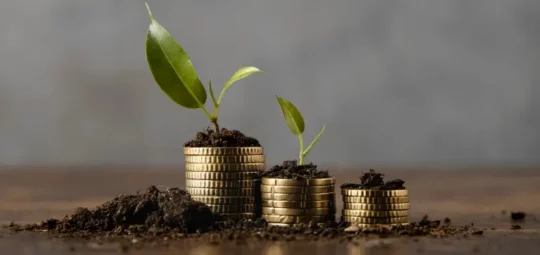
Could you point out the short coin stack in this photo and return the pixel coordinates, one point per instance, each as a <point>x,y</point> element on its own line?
<point>364,207</point>
<point>223,178</point>
<point>287,202</point>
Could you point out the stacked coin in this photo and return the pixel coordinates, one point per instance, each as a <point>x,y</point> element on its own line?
<point>286,202</point>
<point>373,207</point>
<point>223,178</point>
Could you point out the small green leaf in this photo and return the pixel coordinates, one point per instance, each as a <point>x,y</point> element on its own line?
<point>171,67</point>
<point>240,74</point>
<point>292,116</point>
<point>314,141</point>
<point>212,94</point>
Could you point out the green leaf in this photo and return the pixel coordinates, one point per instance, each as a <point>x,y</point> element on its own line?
<point>212,94</point>
<point>171,67</point>
<point>314,141</point>
<point>292,116</point>
<point>240,74</point>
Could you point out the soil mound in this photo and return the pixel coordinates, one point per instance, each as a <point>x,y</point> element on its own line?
<point>172,209</point>
<point>226,138</point>
<point>291,170</point>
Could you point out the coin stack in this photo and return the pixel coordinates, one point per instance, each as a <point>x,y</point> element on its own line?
<point>223,178</point>
<point>288,202</point>
<point>366,208</point>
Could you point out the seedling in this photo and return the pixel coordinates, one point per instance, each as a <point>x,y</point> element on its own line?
<point>174,73</point>
<point>295,122</point>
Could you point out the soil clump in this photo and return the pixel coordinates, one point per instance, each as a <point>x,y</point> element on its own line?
<point>225,138</point>
<point>291,170</point>
<point>374,181</point>
<point>517,216</point>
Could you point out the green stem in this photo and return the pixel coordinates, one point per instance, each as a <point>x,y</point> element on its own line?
<point>301,155</point>
<point>207,113</point>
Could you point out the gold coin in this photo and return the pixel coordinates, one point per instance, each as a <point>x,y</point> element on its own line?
<point>297,197</point>
<point>220,175</point>
<point>283,225</point>
<point>378,225</point>
<point>217,200</point>
<point>298,204</point>
<point>296,212</point>
<point>239,216</point>
<point>301,182</point>
<point>219,184</point>
<point>220,192</point>
<point>296,189</point>
<point>235,167</point>
<point>374,193</point>
<point>225,159</point>
<point>248,208</point>
<point>223,151</point>
<point>376,207</point>
<point>271,218</point>
<point>366,220</point>
<point>377,214</point>
<point>376,200</point>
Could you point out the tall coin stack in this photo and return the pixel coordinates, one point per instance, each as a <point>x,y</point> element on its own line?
<point>287,202</point>
<point>223,178</point>
<point>366,208</point>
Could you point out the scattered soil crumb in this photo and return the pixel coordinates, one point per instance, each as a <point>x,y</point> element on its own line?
<point>374,181</point>
<point>478,233</point>
<point>226,138</point>
<point>517,216</point>
<point>226,230</point>
<point>155,218</point>
<point>447,221</point>
<point>515,227</point>
<point>291,170</point>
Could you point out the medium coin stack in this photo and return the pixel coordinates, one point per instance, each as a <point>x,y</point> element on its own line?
<point>374,207</point>
<point>223,178</point>
<point>287,202</point>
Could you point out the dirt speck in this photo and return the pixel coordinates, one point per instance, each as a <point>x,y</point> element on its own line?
<point>515,227</point>
<point>291,170</point>
<point>478,233</point>
<point>226,138</point>
<point>517,216</point>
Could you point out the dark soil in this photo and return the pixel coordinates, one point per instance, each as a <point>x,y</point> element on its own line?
<point>171,210</point>
<point>226,138</point>
<point>245,231</point>
<point>291,170</point>
<point>374,181</point>
<point>517,216</point>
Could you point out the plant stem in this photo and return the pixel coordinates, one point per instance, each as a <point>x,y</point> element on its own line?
<point>216,125</point>
<point>301,155</point>
<point>213,119</point>
<point>207,113</point>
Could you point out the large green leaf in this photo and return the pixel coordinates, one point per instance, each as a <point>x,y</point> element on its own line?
<point>172,68</point>
<point>292,116</point>
<point>240,74</point>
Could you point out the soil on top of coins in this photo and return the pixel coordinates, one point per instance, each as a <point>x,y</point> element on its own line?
<point>291,170</point>
<point>374,181</point>
<point>225,138</point>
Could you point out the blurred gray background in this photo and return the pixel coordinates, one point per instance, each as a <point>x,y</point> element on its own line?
<point>453,81</point>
